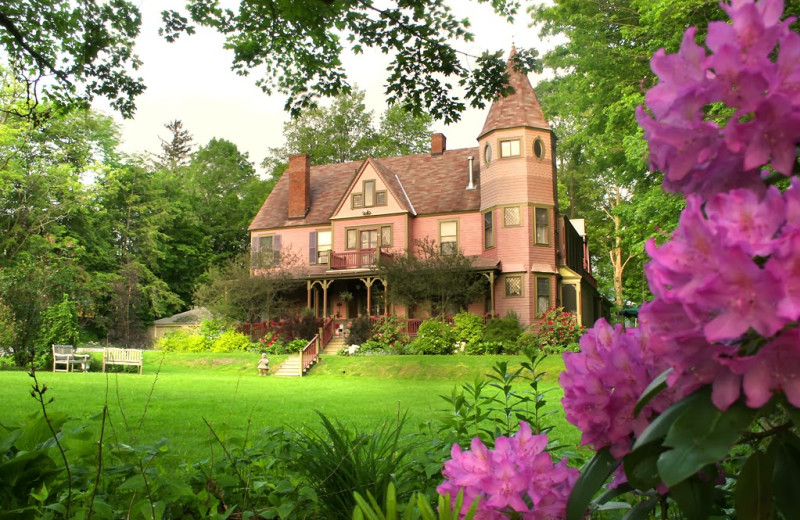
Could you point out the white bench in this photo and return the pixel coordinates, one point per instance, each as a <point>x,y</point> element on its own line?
<point>65,356</point>
<point>122,356</point>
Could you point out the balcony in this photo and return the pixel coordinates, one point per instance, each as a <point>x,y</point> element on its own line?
<point>359,259</point>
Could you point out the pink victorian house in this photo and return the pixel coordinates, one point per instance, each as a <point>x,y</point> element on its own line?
<point>495,203</point>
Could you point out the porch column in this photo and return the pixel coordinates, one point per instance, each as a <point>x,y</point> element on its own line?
<point>368,282</point>
<point>325,284</point>
<point>386,297</point>
<point>309,286</point>
<point>490,276</point>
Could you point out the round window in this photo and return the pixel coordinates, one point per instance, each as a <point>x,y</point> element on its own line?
<point>538,148</point>
<point>487,154</point>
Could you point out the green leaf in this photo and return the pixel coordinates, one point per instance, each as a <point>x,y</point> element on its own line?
<point>655,387</point>
<point>693,496</point>
<point>701,435</point>
<point>641,466</point>
<point>786,476</point>
<point>753,495</point>
<point>641,511</point>
<point>593,476</point>
<point>135,483</point>
<point>661,424</point>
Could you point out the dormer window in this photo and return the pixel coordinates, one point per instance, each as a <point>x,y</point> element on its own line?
<point>509,148</point>
<point>369,196</point>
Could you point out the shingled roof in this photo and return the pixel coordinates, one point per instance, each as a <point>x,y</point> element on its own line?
<point>521,108</point>
<point>433,183</point>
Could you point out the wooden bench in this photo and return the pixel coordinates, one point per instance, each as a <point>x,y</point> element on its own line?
<point>122,356</point>
<point>64,355</point>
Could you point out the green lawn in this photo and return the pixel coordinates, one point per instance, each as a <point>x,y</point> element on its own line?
<point>179,390</point>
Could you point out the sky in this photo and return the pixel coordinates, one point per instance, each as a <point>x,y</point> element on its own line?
<point>191,80</point>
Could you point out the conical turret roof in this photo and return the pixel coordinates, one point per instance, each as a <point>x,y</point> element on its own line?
<point>521,108</point>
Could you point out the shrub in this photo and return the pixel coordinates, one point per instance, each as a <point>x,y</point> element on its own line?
<point>504,330</point>
<point>469,329</point>
<point>360,330</point>
<point>231,341</point>
<point>434,337</point>
<point>559,331</point>
<point>483,348</point>
<point>304,326</point>
<point>181,341</point>
<point>388,335</point>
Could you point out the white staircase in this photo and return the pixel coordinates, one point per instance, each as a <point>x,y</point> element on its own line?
<point>292,367</point>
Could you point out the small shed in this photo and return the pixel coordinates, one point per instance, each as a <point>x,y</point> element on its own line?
<point>186,321</point>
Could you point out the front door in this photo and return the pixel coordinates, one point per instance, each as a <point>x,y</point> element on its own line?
<point>369,242</point>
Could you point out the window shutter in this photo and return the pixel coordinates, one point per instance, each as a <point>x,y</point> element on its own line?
<point>276,249</point>
<point>312,248</point>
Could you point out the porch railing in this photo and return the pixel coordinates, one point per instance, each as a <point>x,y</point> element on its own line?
<point>412,324</point>
<point>309,355</point>
<point>360,259</point>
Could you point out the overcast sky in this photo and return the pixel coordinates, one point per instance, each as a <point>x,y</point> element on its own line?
<point>191,80</point>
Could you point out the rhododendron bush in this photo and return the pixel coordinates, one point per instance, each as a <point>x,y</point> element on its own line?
<point>704,396</point>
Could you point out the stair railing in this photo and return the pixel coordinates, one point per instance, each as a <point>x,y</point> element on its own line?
<point>310,354</point>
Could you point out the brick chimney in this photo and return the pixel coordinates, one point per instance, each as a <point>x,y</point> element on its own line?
<point>438,144</point>
<point>299,185</point>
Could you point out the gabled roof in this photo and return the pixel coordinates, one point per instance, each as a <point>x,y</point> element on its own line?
<point>433,184</point>
<point>521,108</point>
<point>388,179</point>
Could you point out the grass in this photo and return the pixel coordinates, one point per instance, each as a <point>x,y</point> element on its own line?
<point>178,390</point>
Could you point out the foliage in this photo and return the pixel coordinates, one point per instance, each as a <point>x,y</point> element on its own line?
<point>301,57</point>
<point>181,341</point>
<point>483,348</point>
<point>59,326</point>
<point>340,461</point>
<point>302,326</point>
<point>557,332</point>
<point>211,337</point>
<point>469,330</point>
<point>360,330</point>
<point>417,507</point>
<point>231,341</point>
<point>388,335</point>
<point>231,291</point>
<point>434,337</point>
<point>504,330</point>
<point>430,278</point>
<point>84,50</point>
<point>8,329</point>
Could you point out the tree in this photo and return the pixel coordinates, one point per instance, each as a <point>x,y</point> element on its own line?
<point>176,151</point>
<point>444,282</point>
<point>345,132</point>
<point>72,52</point>
<point>297,47</point>
<point>235,292</point>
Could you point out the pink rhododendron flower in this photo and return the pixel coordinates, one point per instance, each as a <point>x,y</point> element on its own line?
<point>517,476</point>
<point>603,382</point>
<point>700,156</point>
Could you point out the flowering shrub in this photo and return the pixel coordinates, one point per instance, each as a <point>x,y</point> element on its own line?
<point>433,338</point>
<point>716,360</point>
<point>558,332</point>
<point>388,335</point>
<point>517,476</point>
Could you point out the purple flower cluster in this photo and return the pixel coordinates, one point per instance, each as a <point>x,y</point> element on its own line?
<point>516,477</point>
<point>726,287</point>
<point>604,381</point>
<point>705,156</point>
